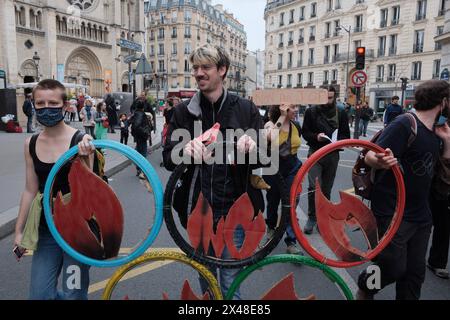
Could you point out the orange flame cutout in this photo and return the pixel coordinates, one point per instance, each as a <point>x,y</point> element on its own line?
<point>284,290</point>
<point>188,294</point>
<point>331,219</point>
<point>200,228</point>
<point>93,203</point>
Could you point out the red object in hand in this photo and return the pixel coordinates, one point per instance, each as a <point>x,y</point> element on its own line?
<point>92,221</point>
<point>210,136</point>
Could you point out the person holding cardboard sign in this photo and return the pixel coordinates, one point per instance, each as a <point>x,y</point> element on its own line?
<point>322,125</point>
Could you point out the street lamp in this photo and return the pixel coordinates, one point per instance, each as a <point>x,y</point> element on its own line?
<point>36,60</point>
<point>349,31</point>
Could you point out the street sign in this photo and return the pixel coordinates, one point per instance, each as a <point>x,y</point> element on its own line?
<point>143,66</point>
<point>445,75</point>
<point>359,78</point>
<point>272,97</point>
<point>130,58</point>
<point>124,43</point>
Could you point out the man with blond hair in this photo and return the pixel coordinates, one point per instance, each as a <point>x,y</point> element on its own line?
<point>214,104</point>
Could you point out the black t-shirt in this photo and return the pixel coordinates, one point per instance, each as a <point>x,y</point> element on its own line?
<point>417,162</point>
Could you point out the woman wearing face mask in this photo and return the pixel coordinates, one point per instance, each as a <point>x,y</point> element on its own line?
<point>42,150</point>
<point>88,115</point>
<point>101,122</point>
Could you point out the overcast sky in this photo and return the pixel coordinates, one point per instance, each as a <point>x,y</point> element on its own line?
<point>251,14</point>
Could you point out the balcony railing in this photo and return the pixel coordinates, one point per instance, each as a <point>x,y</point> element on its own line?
<point>310,62</point>
<point>379,79</point>
<point>301,18</point>
<point>280,45</point>
<point>395,22</point>
<point>336,34</point>
<point>381,52</point>
<point>312,38</point>
<point>291,21</point>
<point>326,60</point>
<point>301,40</point>
<point>281,23</point>
<point>174,36</point>
<point>289,65</point>
<point>391,78</point>
<point>299,63</point>
<point>383,24</point>
<point>174,70</point>
<point>420,17</point>
<point>392,51</point>
<point>438,46</point>
<point>358,29</point>
<point>313,15</point>
<point>187,36</point>
<point>441,13</point>
<point>290,42</point>
<point>327,35</point>
<point>340,57</point>
<point>280,66</point>
<point>418,48</point>
<point>289,85</point>
<point>415,77</point>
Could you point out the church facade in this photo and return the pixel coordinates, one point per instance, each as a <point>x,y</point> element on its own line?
<point>73,41</point>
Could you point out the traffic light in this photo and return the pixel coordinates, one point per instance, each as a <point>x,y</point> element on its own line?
<point>404,83</point>
<point>360,58</point>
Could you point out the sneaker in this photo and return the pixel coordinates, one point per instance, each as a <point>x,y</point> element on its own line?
<point>142,176</point>
<point>292,249</point>
<point>441,273</point>
<point>309,227</point>
<point>269,235</point>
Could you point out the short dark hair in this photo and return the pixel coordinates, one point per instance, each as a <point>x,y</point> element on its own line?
<point>50,84</point>
<point>140,105</point>
<point>395,98</point>
<point>332,89</point>
<point>431,93</point>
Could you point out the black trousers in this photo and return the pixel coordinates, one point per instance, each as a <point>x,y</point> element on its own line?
<point>402,261</point>
<point>124,137</point>
<point>441,233</point>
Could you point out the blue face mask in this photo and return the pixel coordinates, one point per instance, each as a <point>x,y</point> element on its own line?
<point>49,117</point>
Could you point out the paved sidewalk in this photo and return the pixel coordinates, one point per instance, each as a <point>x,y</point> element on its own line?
<point>12,170</point>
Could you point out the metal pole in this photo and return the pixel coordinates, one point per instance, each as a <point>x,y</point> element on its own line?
<point>348,63</point>
<point>134,84</point>
<point>403,96</point>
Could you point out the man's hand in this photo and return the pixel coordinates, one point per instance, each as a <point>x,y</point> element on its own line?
<point>322,137</point>
<point>85,147</point>
<point>443,132</point>
<point>385,160</point>
<point>197,150</point>
<point>246,144</point>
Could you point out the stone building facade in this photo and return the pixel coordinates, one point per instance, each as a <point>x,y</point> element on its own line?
<point>306,47</point>
<point>175,28</point>
<point>76,41</point>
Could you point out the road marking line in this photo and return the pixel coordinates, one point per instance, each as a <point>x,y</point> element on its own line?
<point>316,241</point>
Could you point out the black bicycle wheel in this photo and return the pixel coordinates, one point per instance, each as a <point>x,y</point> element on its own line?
<point>185,246</point>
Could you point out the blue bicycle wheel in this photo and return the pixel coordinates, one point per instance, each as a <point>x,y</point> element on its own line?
<point>155,183</point>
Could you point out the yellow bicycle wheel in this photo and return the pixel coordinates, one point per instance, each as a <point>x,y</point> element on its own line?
<point>161,256</point>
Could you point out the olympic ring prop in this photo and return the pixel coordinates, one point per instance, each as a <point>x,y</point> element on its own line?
<point>149,172</point>
<point>161,256</point>
<point>289,258</point>
<point>297,189</point>
<point>241,213</point>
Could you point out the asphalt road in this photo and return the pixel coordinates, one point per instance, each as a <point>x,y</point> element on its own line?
<point>151,280</point>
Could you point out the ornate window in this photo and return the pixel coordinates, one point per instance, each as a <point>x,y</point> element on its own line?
<point>82,4</point>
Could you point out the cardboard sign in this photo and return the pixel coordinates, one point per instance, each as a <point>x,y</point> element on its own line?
<point>273,97</point>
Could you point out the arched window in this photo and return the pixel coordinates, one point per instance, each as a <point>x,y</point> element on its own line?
<point>83,30</point>
<point>95,32</point>
<point>39,20</point>
<point>100,34</point>
<point>89,30</point>
<point>105,35</point>
<point>64,25</point>
<point>22,20</point>
<point>32,19</point>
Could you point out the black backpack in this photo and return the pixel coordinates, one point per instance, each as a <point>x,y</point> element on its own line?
<point>363,176</point>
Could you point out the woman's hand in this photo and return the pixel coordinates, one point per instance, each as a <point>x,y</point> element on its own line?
<point>86,147</point>
<point>18,238</point>
<point>284,109</point>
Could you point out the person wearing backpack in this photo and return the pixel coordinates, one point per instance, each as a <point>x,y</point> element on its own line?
<point>28,110</point>
<point>140,130</point>
<point>403,261</point>
<point>319,126</point>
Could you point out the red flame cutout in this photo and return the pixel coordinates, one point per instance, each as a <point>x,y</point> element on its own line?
<point>91,199</point>
<point>285,290</point>
<point>188,294</point>
<point>200,228</point>
<point>331,219</point>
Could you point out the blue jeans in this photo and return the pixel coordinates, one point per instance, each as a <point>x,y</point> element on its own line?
<point>363,124</point>
<point>288,170</point>
<point>226,276</point>
<point>30,124</point>
<point>48,262</point>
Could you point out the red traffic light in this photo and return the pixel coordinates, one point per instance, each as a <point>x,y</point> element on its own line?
<point>361,50</point>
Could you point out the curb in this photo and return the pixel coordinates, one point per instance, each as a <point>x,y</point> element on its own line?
<point>8,218</point>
